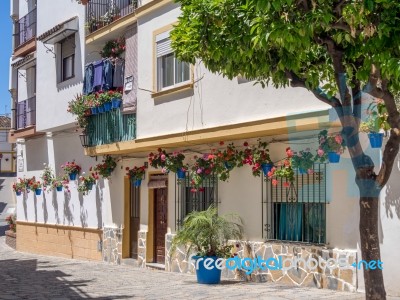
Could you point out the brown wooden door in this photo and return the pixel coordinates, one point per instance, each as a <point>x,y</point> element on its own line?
<point>160,226</point>
<point>134,220</point>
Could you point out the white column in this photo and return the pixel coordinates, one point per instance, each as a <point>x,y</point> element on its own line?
<point>50,150</point>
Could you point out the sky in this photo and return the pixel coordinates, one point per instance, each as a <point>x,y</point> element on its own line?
<point>5,53</point>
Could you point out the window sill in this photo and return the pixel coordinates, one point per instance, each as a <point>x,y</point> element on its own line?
<point>174,90</point>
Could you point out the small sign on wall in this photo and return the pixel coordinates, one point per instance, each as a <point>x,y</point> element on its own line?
<point>20,163</point>
<point>128,83</point>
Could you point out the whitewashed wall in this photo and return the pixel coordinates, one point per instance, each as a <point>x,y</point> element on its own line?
<point>52,98</point>
<point>215,100</point>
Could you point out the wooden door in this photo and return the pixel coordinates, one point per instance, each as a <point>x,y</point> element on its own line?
<point>160,226</point>
<point>134,220</point>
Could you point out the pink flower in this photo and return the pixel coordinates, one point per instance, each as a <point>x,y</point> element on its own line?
<point>320,152</point>
<point>274,182</point>
<point>164,170</point>
<point>286,184</point>
<point>163,157</point>
<point>338,139</point>
<point>199,171</point>
<point>310,171</point>
<point>289,152</point>
<point>193,190</point>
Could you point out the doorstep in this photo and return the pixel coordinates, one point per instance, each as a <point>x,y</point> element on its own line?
<point>155,266</point>
<point>130,262</point>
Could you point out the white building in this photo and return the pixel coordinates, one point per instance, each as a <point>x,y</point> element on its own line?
<point>175,106</point>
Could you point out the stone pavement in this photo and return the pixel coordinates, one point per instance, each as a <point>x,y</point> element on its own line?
<point>28,276</point>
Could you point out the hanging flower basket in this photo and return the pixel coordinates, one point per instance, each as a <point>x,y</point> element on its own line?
<point>59,188</point>
<point>266,167</point>
<point>333,157</point>
<point>375,139</point>
<point>38,192</point>
<point>116,103</point>
<point>181,173</point>
<point>100,109</point>
<point>228,165</point>
<point>107,106</point>
<point>94,110</point>
<point>137,182</point>
<point>18,193</point>
<point>72,176</point>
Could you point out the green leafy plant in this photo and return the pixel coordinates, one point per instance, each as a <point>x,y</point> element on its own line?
<point>329,143</point>
<point>106,167</point>
<point>255,156</point>
<point>71,167</point>
<point>304,160</point>
<point>113,48</point>
<point>285,171</point>
<point>167,162</point>
<point>19,186</point>
<point>377,118</point>
<point>86,183</point>
<point>203,168</point>
<point>207,233</point>
<point>47,177</point>
<point>61,181</point>
<point>35,185</point>
<point>80,108</point>
<point>136,173</point>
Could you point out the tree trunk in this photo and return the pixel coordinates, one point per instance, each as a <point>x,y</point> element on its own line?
<point>370,251</point>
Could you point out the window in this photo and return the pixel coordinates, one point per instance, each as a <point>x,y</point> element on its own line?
<point>170,70</point>
<point>186,201</point>
<point>67,58</point>
<point>297,213</point>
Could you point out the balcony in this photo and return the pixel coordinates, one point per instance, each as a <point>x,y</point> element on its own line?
<point>111,127</point>
<point>25,120</point>
<point>100,13</point>
<point>25,34</point>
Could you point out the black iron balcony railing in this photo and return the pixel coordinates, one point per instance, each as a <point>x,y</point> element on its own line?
<point>111,127</point>
<point>26,113</point>
<point>25,28</point>
<point>100,13</point>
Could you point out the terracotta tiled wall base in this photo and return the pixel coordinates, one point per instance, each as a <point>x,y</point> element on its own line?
<point>55,240</point>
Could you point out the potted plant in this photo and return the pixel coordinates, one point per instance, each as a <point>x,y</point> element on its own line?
<point>19,186</point>
<point>258,157</point>
<point>136,174</point>
<point>330,146</point>
<point>114,48</point>
<point>285,171</point>
<point>303,161</point>
<point>61,182</point>
<point>71,169</point>
<point>203,168</point>
<point>11,221</point>
<point>207,234</point>
<point>37,187</point>
<point>47,177</point>
<point>116,99</point>
<point>79,107</point>
<point>86,182</point>
<point>376,122</point>
<point>106,167</point>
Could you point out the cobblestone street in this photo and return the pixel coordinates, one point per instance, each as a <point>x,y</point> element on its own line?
<point>26,276</point>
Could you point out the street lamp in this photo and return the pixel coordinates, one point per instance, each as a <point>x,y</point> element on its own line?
<point>84,137</point>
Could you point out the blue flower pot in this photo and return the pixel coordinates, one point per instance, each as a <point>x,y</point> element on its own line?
<point>181,174</point>
<point>333,157</point>
<point>107,106</point>
<point>94,110</point>
<point>137,182</point>
<point>18,193</point>
<point>116,103</point>
<point>266,168</point>
<point>38,192</point>
<point>89,186</point>
<point>100,109</point>
<point>302,171</point>
<point>375,139</point>
<point>72,176</point>
<point>59,188</point>
<point>204,275</point>
<point>228,166</point>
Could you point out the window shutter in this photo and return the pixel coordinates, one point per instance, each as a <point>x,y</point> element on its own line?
<point>164,47</point>
<point>163,43</point>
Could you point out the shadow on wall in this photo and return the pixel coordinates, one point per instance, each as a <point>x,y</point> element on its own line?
<point>46,284</point>
<point>45,212</point>
<point>99,200</point>
<point>83,212</point>
<point>55,206</point>
<point>68,217</point>
<point>392,197</point>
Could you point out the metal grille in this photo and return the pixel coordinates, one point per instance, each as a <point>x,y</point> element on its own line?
<point>100,13</point>
<point>25,28</point>
<point>298,212</point>
<point>186,201</point>
<point>111,127</point>
<point>26,113</point>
